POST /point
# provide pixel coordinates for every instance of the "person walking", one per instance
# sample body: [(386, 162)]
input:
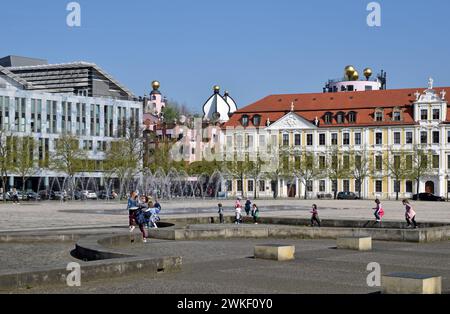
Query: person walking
[(248, 207), (238, 211), (379, 212), (141, 219), (315, 216), (132, 206), (220, 212), (15, 196), (255, 214), (410, 215)]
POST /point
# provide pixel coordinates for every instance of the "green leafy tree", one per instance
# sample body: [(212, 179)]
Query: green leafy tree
[(6, 164), (23, 155), (68, 158), (124, 157)]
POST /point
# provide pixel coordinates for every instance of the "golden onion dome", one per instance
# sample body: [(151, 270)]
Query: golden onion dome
[(156, 85), (349, 71), (368, 72), (355, 76)]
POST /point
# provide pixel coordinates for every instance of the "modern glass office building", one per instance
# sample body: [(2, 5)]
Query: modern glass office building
[(45, 101)]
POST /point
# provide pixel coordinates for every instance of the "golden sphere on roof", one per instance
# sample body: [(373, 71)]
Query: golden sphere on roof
[(368, 72), (355, 76), (156, 85), (216, 88), (349, 71)]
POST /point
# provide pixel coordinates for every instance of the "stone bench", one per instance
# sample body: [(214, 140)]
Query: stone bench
[(355, 243), (409, 283), (275, 252)]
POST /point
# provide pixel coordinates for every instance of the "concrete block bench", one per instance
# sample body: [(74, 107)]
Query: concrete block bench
[(275, 252), (409, 283), (355, 243)]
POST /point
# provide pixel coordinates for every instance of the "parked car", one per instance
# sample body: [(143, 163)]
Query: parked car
[(32, 196), (79, 195), (90, 195), (104, 195), (59, 195), (324, 196), (44, 194), (428, 197), (6, 196), (347, 196)]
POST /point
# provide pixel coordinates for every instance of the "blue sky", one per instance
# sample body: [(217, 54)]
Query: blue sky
[(252, 48)]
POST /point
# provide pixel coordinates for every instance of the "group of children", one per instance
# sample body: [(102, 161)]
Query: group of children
[(250, 209), (142, 212), (410, 214)]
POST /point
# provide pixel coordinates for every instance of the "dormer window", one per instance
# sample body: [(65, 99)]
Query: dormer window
[(328, 118), (397, 114), (352, 117), (256, 120), (379, 115), (244, 120), (340, 117)]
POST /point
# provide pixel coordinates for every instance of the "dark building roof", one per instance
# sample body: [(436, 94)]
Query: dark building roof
[(78, 78), (17, 61)]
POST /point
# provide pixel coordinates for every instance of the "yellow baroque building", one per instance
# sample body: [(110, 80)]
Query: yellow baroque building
[(374, 142)]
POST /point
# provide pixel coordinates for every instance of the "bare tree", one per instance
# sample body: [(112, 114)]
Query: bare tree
[(337, 169), (420, 165), (397, 168), (360, 169), (306, 169)]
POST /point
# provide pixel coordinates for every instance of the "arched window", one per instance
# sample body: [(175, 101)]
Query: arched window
[(244, 120), (352, 117), (340, 117), (256, 120), (328, 118)]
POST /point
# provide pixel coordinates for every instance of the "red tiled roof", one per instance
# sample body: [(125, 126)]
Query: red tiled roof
[(310, 106)]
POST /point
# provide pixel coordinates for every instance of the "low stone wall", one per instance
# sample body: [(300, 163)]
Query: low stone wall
[(90, 272), (298, 228)]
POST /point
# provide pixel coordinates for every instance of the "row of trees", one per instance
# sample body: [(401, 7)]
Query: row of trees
[(334, 165), (131, 154)]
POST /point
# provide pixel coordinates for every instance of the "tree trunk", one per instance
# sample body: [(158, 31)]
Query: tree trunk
[(359, 188), (24, 181), (4, 179)]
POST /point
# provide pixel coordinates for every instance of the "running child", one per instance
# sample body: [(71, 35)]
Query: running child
[(410, 214), (315, 216)]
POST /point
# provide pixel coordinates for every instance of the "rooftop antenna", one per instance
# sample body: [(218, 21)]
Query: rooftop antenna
[(383, 79)]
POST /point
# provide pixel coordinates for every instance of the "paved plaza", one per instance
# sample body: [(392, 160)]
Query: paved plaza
[(217, 265), (227, 267)]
